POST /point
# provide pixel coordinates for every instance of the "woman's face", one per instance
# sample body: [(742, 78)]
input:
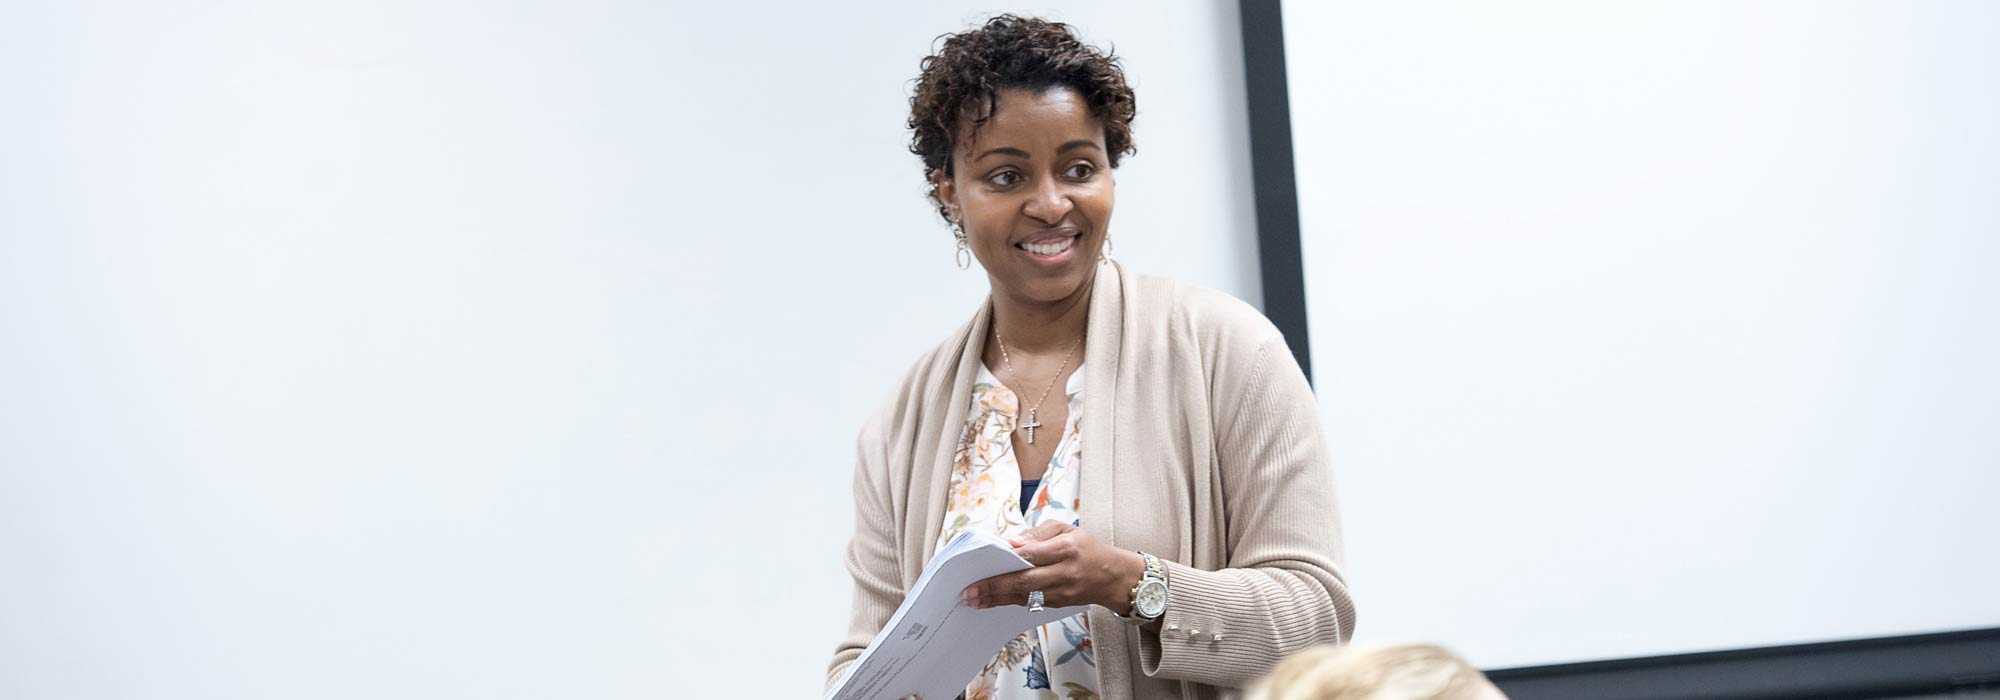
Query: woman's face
[(1033, 190)]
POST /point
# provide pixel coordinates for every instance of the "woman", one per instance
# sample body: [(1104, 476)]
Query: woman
[(1177, 483)]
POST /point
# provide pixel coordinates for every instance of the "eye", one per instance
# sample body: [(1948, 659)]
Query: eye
[(1004, 178), (1080, 171)]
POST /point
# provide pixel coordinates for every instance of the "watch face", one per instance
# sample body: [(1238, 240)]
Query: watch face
[(1152, 600)]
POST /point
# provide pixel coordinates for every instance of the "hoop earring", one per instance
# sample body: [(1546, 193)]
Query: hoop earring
[(964, 253), (1104, 256)]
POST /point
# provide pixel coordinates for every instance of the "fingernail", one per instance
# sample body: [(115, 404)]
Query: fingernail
[(967, 596)]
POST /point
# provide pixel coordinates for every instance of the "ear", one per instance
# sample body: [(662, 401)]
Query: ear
[(947, 191)]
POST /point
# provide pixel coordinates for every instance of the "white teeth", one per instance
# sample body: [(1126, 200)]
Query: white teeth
[(1049, 248)]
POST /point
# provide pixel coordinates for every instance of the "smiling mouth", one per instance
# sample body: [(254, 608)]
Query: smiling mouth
[(1049, 248)]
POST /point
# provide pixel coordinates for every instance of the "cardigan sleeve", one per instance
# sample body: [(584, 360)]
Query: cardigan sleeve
[(1282, 589), (871, 554)]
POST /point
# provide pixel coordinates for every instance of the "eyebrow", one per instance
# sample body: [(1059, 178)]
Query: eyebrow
[(1004, 151), (1018, 153)]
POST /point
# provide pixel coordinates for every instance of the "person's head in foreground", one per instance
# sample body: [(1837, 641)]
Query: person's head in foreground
[(1366, 672)]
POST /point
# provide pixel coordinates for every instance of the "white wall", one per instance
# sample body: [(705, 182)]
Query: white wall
[(1655, 327), (458, 350)]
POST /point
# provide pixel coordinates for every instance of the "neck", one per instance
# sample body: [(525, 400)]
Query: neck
[(1042, 327)]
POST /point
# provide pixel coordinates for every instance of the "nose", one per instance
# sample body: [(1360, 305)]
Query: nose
[(1049, 203)]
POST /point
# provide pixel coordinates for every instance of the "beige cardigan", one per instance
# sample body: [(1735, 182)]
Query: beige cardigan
[(1201, 445)]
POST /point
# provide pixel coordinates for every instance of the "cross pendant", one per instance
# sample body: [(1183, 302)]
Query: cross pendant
[(1031, 425)]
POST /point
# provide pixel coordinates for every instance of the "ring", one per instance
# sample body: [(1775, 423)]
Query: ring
[(1034, 601)]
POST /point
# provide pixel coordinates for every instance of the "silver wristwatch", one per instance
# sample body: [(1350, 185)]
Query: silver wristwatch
[(1149, 598)]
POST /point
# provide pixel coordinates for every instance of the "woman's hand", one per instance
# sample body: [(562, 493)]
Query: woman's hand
[(1070, 568)]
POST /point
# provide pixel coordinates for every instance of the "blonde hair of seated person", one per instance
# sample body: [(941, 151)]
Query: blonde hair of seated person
[(1365, 672)]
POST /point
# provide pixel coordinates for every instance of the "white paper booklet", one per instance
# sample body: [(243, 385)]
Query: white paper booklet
[(934, 644)]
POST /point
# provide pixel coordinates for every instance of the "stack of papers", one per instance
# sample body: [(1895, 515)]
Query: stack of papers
[(934, 644)]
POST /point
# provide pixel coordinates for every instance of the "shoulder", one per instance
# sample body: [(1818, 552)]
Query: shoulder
[(931, 372), (1222, 327)]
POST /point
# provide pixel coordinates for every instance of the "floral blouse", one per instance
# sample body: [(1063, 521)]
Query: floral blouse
[(1055, 660)]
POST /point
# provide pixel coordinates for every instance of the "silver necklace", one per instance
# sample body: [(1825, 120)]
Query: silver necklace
[(1032, 423)]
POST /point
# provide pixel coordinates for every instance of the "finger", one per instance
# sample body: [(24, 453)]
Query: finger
[(1041, 532), (1057, 549), (1012, 589)]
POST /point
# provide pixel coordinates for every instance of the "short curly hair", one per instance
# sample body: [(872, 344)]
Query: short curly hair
[(961, 83)]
